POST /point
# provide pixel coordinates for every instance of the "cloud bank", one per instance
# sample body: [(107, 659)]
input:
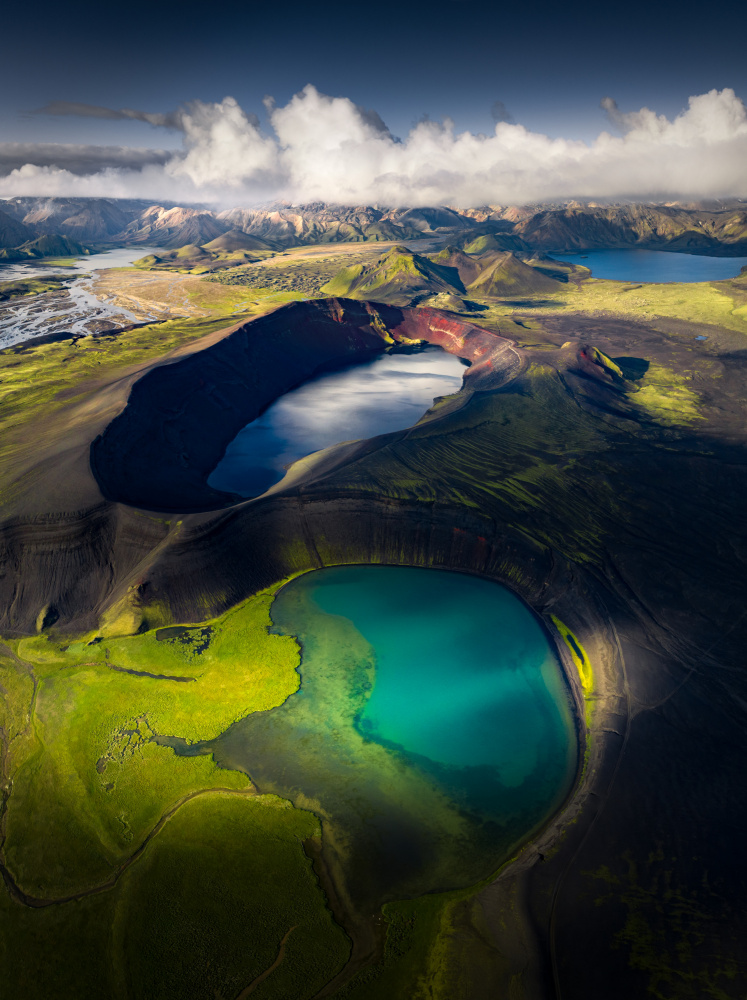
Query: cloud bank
[(329, 149), (78, 159)]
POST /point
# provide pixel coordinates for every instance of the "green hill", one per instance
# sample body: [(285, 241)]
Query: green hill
[(45, 246), (235, 240), (506, 275), (223, 252), (183, 259), (402, 277), (398, 277), (468, 268), (491, 242)]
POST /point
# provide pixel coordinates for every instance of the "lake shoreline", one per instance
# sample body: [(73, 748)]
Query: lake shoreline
[(655, 265)]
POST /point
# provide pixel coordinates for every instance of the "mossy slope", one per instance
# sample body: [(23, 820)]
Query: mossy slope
[(401, 277), (138, 855), (396, 278)]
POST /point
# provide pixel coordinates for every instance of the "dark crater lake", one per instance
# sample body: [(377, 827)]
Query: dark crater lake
[(388, 392), (655, 266), (432, 730)]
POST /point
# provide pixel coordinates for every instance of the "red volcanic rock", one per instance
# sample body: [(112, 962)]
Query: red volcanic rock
[(490, 356)]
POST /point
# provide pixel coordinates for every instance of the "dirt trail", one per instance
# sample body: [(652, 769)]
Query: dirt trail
[(248, 990)]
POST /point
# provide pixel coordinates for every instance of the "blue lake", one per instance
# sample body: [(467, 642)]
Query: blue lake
[(439, 671), (432, 730), (654, 266), (388, 392)]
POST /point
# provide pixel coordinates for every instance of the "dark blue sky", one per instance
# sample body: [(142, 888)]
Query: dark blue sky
[(550, 64)]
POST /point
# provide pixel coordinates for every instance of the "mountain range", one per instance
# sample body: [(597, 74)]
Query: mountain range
[(100, 221)]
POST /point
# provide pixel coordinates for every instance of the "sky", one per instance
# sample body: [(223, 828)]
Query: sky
[(459, 102)]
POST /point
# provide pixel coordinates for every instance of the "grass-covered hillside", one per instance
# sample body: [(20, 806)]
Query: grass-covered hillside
[(31, 286), (402, 277), (102, 827), (229, 250)]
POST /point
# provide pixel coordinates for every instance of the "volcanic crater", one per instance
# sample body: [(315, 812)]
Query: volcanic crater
[(157, 454)]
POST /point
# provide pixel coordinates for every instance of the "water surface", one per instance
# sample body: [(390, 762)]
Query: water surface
[(388, 392), (655, 266), (77, 310), (432, 729), (117, 257)]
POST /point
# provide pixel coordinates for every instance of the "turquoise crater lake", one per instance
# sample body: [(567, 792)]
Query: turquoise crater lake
[(432, 730), (464, 676), (388, 392)]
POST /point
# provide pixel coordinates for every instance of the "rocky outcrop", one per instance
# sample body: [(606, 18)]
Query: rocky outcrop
[(172, 227)]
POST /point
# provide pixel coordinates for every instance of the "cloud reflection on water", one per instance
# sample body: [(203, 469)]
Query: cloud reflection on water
[(387, 394)]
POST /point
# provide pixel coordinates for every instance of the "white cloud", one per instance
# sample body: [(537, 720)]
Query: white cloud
[(329, 149), (223, 147)]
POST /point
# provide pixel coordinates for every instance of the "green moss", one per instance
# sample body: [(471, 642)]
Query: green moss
[(585, 671), (31, 286), (201, 913), (221, 887), (663, 394), (222, 878), (698, 302), (505, 275), (528, 453), (342, 281), (607, 363), (434, 949), (395, 277), (665, 927), (145, 263), (92, 785), (16, 706), (59, 951), (481, 244), (416, 944), (579, 655)]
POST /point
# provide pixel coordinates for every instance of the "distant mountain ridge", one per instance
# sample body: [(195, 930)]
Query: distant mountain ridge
[(85, 219), (645, 226), (711, 229), (44, 246), (13, 232)]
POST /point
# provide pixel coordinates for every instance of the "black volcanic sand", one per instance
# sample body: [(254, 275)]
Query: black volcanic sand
[(594, 508)]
